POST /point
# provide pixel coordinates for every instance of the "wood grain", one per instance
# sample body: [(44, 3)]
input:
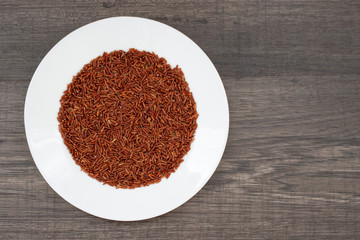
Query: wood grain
[(291, 169)]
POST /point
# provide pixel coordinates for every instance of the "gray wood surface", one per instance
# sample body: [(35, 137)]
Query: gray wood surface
[(291, 168)]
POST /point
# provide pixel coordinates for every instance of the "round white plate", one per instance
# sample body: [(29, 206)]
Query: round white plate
[(54, 160)]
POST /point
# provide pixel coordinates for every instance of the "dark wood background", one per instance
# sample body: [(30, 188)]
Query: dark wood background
[(291, 168)]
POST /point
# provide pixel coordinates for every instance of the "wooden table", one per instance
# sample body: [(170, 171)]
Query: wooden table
[(291, 168)]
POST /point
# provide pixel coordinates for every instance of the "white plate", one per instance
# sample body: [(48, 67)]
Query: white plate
[(52, 157)]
